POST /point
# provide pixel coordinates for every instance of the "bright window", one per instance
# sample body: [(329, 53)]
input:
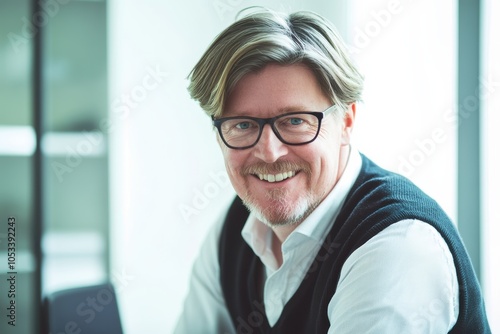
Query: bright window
[(407, 51)]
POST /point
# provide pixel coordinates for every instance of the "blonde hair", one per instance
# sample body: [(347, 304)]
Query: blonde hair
[(264, 37)]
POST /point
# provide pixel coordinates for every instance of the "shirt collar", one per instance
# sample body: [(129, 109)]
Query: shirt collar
[(321, 219), (259, 236)]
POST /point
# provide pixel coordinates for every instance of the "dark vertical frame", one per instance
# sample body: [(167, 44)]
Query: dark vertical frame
[(469, 108), (38, 168)]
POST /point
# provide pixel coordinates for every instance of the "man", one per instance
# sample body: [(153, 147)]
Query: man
[(319, 239)]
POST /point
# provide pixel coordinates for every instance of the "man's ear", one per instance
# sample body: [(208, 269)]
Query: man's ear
[(348, 125)]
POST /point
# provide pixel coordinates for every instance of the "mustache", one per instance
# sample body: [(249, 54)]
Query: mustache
[(275, 168)]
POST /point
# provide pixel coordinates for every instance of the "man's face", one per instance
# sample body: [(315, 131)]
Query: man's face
[(309, 171)]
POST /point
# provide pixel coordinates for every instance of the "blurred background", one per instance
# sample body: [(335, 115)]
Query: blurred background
[(112, 172)]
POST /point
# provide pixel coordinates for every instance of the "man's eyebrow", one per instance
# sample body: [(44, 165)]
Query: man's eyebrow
[(293, 108), (283, 110)]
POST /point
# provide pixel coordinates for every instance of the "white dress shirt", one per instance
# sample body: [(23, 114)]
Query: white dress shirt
[(403, 280)]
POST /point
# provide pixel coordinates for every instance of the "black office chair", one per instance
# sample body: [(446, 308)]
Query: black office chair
[(92, 309)]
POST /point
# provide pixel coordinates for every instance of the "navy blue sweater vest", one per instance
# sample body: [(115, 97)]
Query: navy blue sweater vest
[(378, 199)]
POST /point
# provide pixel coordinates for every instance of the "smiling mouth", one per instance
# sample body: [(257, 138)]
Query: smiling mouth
[(276, 177)]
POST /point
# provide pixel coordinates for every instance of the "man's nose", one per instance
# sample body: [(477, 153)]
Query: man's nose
[(269, 148)]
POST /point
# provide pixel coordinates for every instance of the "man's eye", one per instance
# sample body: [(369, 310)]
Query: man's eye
[(296, 121), (243, 125), (292, 121)]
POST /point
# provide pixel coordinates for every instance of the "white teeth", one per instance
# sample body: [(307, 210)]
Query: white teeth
[(276, 177)]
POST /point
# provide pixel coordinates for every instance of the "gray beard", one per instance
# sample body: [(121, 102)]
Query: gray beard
[(282, 213)]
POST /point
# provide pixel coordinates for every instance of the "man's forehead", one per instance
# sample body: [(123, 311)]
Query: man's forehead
[(274, 90)]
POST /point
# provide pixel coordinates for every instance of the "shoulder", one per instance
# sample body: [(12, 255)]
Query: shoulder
[(407, 241), (404, 276), (380, 198)]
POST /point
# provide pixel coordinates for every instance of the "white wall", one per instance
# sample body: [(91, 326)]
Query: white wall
[(161, 155), (162, 151)]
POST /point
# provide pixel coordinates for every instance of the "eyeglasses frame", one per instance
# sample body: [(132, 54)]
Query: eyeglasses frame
[(263, 121)]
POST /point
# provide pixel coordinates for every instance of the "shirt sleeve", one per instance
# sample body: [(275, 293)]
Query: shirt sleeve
[(204, 307), (403, 280)]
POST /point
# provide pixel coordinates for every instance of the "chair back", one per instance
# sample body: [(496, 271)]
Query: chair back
[(85, 310)]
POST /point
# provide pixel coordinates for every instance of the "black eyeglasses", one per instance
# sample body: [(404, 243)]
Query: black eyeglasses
[(294, 128)]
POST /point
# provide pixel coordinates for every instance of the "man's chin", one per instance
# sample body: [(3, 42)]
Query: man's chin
[(281, 213)]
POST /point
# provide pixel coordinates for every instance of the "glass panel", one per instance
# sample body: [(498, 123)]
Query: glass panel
[(76, 194), (17, 277)]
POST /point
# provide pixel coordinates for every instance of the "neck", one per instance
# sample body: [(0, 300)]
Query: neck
[(282, 232)]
